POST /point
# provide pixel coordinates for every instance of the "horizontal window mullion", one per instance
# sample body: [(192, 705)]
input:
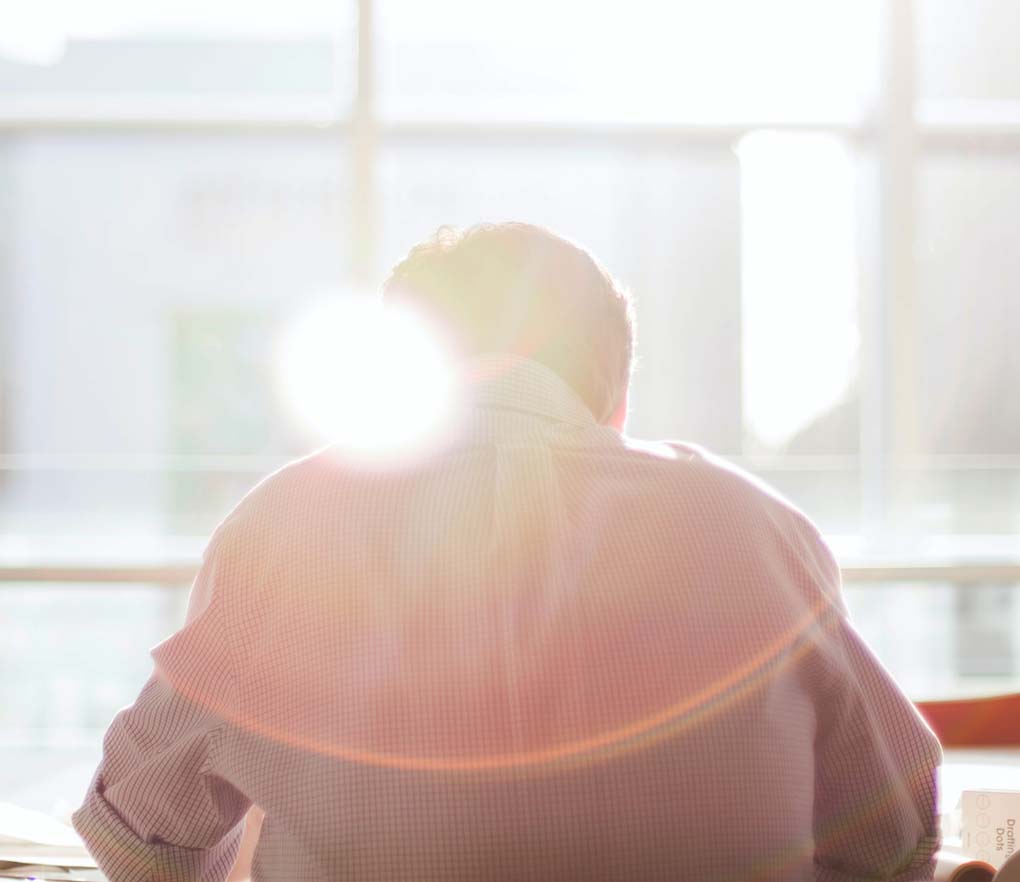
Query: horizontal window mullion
[(182, 573)]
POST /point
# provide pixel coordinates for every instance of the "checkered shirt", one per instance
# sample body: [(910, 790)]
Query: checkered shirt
[(544, 652)]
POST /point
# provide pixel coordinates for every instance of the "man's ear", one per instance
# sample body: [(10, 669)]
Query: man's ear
[(618, 418)]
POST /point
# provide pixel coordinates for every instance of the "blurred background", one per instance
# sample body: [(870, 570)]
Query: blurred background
[(815, 203)]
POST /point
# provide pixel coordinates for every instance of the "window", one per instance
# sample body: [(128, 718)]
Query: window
[(629, 63), (819, 243)]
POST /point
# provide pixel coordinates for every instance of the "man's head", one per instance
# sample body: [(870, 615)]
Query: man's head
[(521, 289)]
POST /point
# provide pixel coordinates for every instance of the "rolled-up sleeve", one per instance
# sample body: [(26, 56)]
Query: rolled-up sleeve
[(156, 808)]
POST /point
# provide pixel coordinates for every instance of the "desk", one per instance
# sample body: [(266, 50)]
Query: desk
[(977, 769)]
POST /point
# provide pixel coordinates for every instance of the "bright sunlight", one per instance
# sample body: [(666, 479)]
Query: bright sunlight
[(374, 381)]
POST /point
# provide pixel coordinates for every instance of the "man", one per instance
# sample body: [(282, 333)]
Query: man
[(546, 651)]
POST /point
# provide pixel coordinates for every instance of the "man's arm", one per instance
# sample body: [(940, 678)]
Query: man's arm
[(876, 810), (156, 809)]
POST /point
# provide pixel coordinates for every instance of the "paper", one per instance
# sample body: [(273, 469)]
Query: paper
[(50, 874), (45, 856), (32, 838), (23, 826)]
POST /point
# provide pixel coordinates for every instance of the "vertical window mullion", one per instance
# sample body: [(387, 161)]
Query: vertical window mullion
[(364, 144), (889, 422)]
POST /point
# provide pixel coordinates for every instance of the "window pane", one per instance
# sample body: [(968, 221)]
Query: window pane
[(142, 291), (800, 294), (644, 60), (800, 323), (968, 478), (967, 50), (72, 656), (208, 56), (942, 641)]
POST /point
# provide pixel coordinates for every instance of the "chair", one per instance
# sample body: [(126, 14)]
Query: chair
[(975, 722)]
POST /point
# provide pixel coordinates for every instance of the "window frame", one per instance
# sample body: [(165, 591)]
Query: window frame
[(897, 135)]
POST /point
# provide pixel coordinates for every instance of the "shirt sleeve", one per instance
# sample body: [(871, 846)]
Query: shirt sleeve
[(876, 761), (156, 810)]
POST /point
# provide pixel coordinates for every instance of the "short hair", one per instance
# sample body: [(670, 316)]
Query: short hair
[(521, 289)]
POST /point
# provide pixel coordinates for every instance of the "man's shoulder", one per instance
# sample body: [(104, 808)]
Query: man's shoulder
[(713, 477), (724, 494), (281, 494)]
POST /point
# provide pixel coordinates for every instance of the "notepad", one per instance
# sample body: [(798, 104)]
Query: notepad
[(988, 828)]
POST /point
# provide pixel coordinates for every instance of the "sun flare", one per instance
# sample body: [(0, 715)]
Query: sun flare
[(375, 381)]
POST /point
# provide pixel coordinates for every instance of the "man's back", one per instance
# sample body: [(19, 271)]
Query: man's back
[(545, 653)]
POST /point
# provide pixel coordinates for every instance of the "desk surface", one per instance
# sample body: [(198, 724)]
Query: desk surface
[(978, 769)]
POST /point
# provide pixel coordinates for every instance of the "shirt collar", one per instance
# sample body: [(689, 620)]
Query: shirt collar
[(521, 385)]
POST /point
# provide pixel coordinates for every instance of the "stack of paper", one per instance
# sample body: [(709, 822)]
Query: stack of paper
[(34, 845)]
